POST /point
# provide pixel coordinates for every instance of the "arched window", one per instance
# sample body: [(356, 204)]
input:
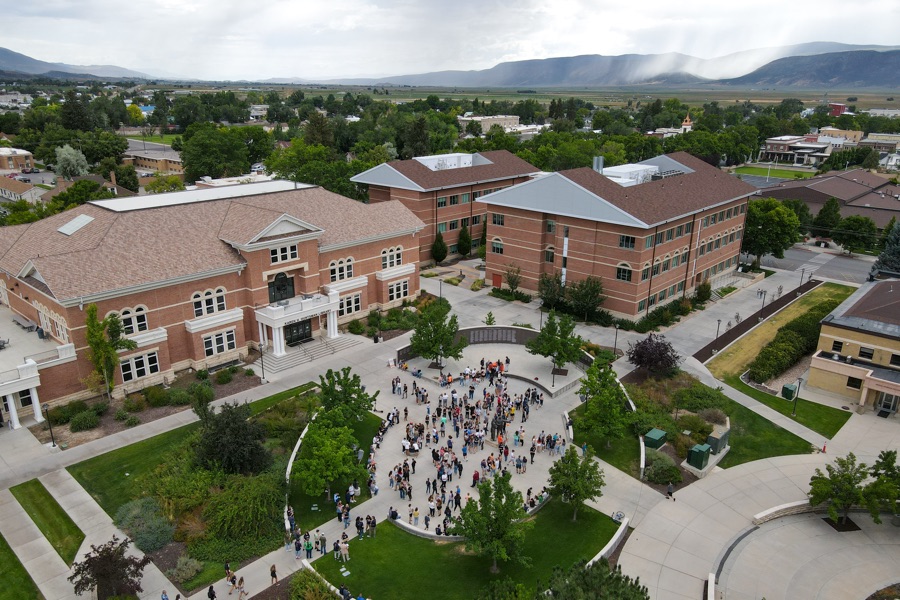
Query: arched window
[(623, 272), (645, 272), (341, 269), (134, 320), (497, 246), (209, 302), (391, 257), (550, 254)]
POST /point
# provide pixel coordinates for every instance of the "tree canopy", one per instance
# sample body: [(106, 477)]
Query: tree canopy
[(889, 259), (109, 570), (104, 339), (557, 341), (841, 487), (827, 219), (230, 440), (770, 228), (655, 354), (604, 409), (435, 336), (585, 296), (343, 391), (856, 233), (214, 152), (575, 478), (595, 582), (329, 454)]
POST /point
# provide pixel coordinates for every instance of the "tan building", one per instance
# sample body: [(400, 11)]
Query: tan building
[(199, 277), (14, 159), (650, 239), (507, 122), (850, 135), (858, 356), (167, 162), (441, 190)]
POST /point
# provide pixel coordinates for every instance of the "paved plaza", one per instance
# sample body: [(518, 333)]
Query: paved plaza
[(674, 545)]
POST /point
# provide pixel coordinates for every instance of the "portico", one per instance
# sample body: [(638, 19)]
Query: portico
[(291, 321), (18, 390)]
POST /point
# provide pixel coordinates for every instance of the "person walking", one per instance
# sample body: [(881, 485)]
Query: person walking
[(241, 591), (164, 596), (233, 582), (273, 573), (345, 551), (670, 492), (211, 593)]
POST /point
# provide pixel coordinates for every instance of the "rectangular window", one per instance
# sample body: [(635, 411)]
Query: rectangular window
[(679, 231), (283, 254), (709, 246), (551, 226), (442, 201), (662, 295), (645, 274), (670, 234), (453, 249), (626, 241), (497, 247), (665, 265), (713, 218), (688, 228), (136, 367), (656, 269), (565, 262), (728, 214), (837, 347), (680, 286), (565, 231), (854, 382), (442, 228), (497, 219), (476, 195), (454, 200), (702, 250), (350, 305), (660, 237), (895, 360), (718, 243), (648, 242), (866, 353), (651, 301), (642, 305), (675, 260), (464, 222), (454, 224), (739, 232), (219, 343), (721, 216), (705, 222), (464, 198), (672, 290), (398, 290), (623, 274), (685, 256), (743, 208), (731, 238), (549, 256), (476, 219)]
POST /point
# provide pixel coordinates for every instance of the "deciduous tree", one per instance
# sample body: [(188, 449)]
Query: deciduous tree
[(655, 354), (435, 336), (604, 409), (551, 290), (557, 341), (109, 570), (584, 297), (575, 478), (105, 338), (596, 581), (771, 228), (231, 441), (842, 487), (214, 152), (343, 391), (513, 276), (328, 456), (70, 163), (856, 233), (164, 183)]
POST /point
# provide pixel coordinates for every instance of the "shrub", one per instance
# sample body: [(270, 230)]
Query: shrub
[(144, 522), (682, 444), (661, 468), (714, 415), (179, 397), (184, 569), (202, 374), (247, 507), (306, 584), (356, 327), (525, 325), (452, 281), (698, 397), (642, 421), (201, 391), (234, 369), (100, 408), (703, 292), (134, 403), (697, 425), (132, 421), (235, 550), (121, 414), (224, 376), (156, 396), (60, 415), (248, 372), (86, 419), (477, 285)]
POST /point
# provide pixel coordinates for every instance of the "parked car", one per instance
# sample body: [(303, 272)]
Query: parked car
[(23, 179), (27, 170), (35, 170)]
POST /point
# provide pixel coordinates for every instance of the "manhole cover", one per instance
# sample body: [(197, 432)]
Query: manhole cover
[(846, 407)]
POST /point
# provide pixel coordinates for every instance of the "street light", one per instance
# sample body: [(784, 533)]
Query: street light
[(46, 408), (262, 362), (764, 292), (718, 325), (802, 273), (616, 342), (797, 395)]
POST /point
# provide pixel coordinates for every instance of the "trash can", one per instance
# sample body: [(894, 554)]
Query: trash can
[(788, 391), (655, 438), (698, 457)]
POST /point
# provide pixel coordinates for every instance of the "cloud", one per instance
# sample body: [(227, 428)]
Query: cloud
[(227, 39)]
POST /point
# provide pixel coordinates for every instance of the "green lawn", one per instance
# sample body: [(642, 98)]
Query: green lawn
[(782, 173), (624, 453), (822, 419), (754, 437), (17, 584), (268, 402), (398, 565), (56, 525), (363, 430), (166, 138)]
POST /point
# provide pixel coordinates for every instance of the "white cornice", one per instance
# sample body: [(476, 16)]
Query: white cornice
[(146, 338), (214, 320), (348, 284), (398, 271), (366, 240)]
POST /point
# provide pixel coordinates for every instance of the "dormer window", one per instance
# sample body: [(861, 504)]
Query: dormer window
[(209, 302), (283, 254)]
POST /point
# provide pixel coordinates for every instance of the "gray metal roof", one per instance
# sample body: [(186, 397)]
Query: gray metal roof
[(387, 176), (666, 163)]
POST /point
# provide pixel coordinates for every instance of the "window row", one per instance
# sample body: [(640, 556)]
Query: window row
[(669, 292), (350, 304), (341, 269), (454, 199), (718, 242), (661, 237), (284, 253), (458, 223), (398, 290), (392, 257), (135, 367), (219, 343), (716, 269), (865, 353), (485, 192), (724, 215), (206, 303)]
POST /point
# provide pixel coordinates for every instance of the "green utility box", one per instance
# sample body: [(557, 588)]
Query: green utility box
[(655, 438), (698, 457), (718, 439), (788, 391)]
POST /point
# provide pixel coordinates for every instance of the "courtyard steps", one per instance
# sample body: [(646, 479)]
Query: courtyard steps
[(314, 350)]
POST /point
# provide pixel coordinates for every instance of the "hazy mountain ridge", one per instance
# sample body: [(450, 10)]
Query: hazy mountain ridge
[(858, 69), (17, 62)]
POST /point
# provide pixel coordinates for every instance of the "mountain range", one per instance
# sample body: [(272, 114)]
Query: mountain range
[(814, 65)]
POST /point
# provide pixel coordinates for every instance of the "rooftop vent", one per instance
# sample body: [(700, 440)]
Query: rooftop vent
[(75, 224)]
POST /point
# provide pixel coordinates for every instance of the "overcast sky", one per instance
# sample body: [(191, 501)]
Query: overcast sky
[(321, 39)]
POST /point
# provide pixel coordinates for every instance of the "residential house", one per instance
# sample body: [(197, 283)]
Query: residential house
[(13, 190)]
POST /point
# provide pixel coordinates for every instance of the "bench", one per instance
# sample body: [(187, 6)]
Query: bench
[(26, 324)]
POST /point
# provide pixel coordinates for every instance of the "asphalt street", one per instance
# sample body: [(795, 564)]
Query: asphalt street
[(803, 260)]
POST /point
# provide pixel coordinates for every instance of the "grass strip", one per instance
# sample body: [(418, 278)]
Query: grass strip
[(56, 525), (17, 583), (753, 437)]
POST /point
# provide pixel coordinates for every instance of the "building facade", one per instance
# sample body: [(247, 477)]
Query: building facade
[(858, 356), (442, 190), (199, 277), (14, 159), (650, 243)]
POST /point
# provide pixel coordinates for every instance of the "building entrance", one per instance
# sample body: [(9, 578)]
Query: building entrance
[(888, 402), (298, 333)]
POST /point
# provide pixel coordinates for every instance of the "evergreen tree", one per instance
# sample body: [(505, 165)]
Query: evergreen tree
[(435, 335), (439, 248), (889, 259), (828, 219), (464, 245), (885, 233), (595, 581)]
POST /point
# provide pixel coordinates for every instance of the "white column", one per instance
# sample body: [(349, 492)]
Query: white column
[(331, 324), (262, 333), (36, 405), (13, 412), (278, 340)]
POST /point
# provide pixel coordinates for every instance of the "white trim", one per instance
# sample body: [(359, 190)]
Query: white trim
[(398, 271), (154, 336), (214, 320), (347, 284), (375, 238)]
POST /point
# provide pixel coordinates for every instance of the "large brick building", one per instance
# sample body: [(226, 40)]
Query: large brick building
[(197, 278), (441, 190), (649, 242)]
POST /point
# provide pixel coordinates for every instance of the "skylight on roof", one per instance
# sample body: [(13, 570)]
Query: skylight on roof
[(75, 224)]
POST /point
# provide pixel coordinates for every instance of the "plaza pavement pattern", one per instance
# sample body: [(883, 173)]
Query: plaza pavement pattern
[(673, 548)]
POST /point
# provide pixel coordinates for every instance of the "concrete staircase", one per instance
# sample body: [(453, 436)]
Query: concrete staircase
[(309, 352)]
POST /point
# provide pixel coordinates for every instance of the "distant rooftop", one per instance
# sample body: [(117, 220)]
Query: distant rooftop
[(874, 307), (457, 160), (198, 195)]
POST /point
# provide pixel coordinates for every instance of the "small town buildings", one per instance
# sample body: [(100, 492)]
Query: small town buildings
[(441, 190), (651, 240), (15, 159), (197, 278), (796, 150), (507, 122), (167, 162), (851, 135), (13, 190), (667, 132), (882, 142), (858, 191), (858, 356)]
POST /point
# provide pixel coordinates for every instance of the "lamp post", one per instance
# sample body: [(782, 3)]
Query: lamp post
[(46, 408), (441, 288), (718, 325), (616, 342), (763, 307), (262, 362), (797, 395), (802, 273)]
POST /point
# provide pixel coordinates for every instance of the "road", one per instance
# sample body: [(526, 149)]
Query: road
[(135, 145), (824, 264)]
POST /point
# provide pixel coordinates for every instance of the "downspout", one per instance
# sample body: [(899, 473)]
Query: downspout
[(652, 262), (693, 252)]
